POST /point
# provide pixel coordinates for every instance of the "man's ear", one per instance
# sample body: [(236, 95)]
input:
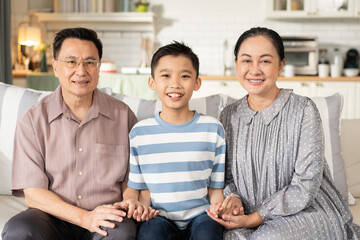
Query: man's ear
[(197, 84), (54, 65), (151, 83)]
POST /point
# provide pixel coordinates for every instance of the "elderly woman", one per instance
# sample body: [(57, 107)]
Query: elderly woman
[(275, 155)]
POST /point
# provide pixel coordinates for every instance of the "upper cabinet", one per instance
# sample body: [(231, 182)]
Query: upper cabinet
[(277, 9)]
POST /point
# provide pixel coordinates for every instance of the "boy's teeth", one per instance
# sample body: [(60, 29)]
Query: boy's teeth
[(174, 95)]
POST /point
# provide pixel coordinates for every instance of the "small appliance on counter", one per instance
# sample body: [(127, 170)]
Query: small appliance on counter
[(302, 52), (351, 65)]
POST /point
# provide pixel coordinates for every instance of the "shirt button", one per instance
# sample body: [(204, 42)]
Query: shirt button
[(80, 173), (79, 197), (80, 149)]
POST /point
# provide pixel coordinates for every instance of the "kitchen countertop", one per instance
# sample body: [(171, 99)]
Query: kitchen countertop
[(23, 74), (295, 78)]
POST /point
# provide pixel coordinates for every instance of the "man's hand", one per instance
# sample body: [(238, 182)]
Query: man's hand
[(99, 217)]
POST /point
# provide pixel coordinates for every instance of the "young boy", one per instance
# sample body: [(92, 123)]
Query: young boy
[(178, 154)]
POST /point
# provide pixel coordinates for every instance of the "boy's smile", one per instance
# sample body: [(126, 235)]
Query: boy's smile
[(175, 79)]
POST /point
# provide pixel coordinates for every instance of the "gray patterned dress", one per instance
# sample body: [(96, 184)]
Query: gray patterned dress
[(275, 164)]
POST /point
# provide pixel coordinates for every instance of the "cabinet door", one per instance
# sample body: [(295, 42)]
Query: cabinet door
[(331, 8), (286, 8), (231, 88), (357, 100), (346, 89), (298, 87), (311, 8)]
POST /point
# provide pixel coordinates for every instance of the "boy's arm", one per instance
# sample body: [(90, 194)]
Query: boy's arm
[(216, 195)]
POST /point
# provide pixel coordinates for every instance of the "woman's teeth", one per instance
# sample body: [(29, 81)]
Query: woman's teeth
[(256, 81)]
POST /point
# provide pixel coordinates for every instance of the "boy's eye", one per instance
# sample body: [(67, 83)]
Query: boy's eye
[(185, 76), (165, 75)]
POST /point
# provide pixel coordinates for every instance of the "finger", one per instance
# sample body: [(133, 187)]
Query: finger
[(107, 224), (140, 210), (218, 220), (145, 215), (226, 203), (156, 213), (131, 209), (100, 231), (151, 214)]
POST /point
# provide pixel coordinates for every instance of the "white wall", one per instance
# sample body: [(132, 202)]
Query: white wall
[(206, 24)]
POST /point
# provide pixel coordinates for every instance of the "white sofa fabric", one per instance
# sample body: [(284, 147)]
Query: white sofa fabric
[(14, 101)]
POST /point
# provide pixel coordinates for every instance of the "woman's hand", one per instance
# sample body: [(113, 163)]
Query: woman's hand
[(239, 221), (231, 206)]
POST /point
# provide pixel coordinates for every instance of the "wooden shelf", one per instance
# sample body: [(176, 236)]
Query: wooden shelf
[(110, 21)]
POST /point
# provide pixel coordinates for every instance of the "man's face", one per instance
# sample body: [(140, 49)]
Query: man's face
[(79, 81)]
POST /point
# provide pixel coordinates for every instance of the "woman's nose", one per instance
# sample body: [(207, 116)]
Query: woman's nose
[(254, 68)]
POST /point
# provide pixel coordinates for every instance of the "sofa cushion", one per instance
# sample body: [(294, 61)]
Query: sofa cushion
[(330, 111), (14, 101), (350, 142)]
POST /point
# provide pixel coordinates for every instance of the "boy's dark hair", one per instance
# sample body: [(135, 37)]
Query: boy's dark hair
[(79, 33), (175, 49), (261, 31)]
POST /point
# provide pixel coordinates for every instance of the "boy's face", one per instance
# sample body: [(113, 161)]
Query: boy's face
[(174, 80)]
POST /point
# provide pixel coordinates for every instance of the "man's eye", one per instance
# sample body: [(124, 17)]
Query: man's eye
[(71, 61), (90, 63)]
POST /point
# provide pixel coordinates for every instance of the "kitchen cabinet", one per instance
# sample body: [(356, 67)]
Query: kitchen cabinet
[(322, 89), (350, 90), (231, 88), (277, 9)]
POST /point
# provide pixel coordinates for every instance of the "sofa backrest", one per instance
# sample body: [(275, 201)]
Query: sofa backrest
[(14, 101)]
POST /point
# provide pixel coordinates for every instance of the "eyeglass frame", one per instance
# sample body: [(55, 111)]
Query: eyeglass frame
[(80, 61)]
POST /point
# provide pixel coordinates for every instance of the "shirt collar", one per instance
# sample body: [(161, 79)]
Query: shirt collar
[(99, 105), (267, 114)]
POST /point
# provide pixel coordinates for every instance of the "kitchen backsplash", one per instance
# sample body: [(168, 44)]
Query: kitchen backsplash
[(206, 25)]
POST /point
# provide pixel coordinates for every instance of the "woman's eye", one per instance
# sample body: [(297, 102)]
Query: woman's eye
[(245, 61)]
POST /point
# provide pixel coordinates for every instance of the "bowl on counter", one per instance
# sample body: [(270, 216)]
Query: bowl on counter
[(351, 72)]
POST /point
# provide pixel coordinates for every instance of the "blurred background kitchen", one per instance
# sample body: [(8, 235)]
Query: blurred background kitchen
[(322, 38)]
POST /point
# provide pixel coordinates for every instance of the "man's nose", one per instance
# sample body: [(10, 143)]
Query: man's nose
[(81, 69)]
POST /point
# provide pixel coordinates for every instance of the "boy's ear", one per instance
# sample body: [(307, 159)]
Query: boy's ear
[(197, 84), (151, 83)]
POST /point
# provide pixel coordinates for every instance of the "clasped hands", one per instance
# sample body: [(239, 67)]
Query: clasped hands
[(102, 215), (230, 214)]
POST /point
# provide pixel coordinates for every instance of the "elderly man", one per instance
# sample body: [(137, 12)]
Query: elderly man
[(71, 152)]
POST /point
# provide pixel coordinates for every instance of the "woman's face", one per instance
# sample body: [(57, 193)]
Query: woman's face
[(258, 66)]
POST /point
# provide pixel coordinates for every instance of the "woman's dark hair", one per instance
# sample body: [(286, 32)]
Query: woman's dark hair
[(79, 33), (175, 49), (261, 31)]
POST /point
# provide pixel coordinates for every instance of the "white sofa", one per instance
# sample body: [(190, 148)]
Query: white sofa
[(14, 101)]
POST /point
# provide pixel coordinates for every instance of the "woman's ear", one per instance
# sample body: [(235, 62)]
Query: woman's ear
[(282, 64), (151, 83)]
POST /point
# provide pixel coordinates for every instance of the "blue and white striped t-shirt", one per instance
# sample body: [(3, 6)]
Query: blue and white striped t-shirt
[(178, 163)]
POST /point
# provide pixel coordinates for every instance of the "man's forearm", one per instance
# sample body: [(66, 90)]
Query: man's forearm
[(51, 203)]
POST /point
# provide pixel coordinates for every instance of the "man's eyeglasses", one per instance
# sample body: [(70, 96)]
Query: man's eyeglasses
[(74, 63)]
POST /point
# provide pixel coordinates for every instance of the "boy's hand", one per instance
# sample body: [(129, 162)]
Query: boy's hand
[(214, 209), (231, 206), (136, 210)]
